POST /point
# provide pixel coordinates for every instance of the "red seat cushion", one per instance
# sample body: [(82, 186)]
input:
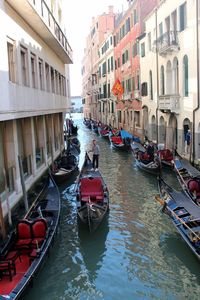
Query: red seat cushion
[(24, 230), (193, 186), (39, 228), (91, 187), (23, 242), (117, 140)]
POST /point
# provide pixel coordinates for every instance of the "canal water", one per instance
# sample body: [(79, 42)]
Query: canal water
[(135, 254)]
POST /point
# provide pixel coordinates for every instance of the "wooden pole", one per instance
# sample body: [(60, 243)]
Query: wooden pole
[(23, 183), (2, 223), (5, 167)]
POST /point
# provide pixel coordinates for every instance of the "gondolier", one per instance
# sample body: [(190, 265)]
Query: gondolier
[(96, 153)]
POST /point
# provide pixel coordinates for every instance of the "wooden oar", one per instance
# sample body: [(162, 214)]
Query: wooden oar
[(162, 202)]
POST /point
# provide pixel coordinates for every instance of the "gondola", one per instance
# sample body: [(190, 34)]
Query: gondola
[(64, 167), (29, 244), (75, 143), (188, 177), (142, 159), (92, 196), (184, 214), (118, 143), (74, 129), (103, 132)]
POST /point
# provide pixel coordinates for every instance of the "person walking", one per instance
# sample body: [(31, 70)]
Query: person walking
[(96, 153), (187, 141)]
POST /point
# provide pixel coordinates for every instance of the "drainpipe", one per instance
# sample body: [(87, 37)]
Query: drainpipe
[(198, 94), (157, 77)]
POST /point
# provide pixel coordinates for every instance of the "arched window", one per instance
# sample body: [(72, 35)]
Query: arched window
[(150, 85), (169, 78), (175, 76), (185, 77), (162, 81)]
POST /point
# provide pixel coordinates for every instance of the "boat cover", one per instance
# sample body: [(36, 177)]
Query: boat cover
[(125, 134)]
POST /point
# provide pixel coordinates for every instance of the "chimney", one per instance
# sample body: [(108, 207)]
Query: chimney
[(110, 9)]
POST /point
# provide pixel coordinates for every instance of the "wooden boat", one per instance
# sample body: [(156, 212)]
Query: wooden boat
[(87, 123), (74, 129), (184, 214), (75, 143), (29, 245), (188, 177), (104, 132), (64, 167), (142, 159), (92, 196)]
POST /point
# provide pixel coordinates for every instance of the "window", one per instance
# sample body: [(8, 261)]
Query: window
[(11, 62), (135, 17), (185, 74), (33, 71), (133, 83), (104, 69), (183, 17), (135, 49), (142, 49), (128, 25), (137, 118), (162, 81), (144, 89), (41, 74), (138, 82), (24, 65), (52, 81), (149, 41), (47, 74), (160, 29), (109, 65), (111, 62), (57, 83), (123, 59), (126, 55), (118, 62), (111, 41), (108, 90), (150, 85), (119, 116)]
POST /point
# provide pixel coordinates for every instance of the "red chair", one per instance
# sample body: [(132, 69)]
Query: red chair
[(39, 231), (24, 234), (7, 267)]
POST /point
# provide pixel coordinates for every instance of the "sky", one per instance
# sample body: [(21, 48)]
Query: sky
[(78, 19)]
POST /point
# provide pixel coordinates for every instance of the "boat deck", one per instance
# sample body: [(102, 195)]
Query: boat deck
[(6, 286), (184, 164)]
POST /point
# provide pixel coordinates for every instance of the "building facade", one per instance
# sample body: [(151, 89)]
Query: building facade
[(34, 92), (101, 25), (169, 75)]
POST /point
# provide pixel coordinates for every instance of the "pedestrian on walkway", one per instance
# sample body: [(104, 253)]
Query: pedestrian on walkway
[(96, 153), (187, 141)]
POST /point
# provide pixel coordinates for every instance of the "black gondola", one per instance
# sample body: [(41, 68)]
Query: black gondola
[(64, 166), (184, 214), (29, 245), (75, 143), (143, 161), (188, 177), (92, 196)]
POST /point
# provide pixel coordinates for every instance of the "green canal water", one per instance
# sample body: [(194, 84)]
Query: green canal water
[(135, 254)]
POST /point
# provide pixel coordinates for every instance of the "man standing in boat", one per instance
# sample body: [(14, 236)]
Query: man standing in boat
[(96, 153)]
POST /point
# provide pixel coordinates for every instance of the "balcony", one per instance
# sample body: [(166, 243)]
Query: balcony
[(38, 15), (169, 103), (167, 43)]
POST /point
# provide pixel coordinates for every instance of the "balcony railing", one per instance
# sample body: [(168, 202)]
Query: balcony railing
[(167, 43), (169, 103), (39, 16)]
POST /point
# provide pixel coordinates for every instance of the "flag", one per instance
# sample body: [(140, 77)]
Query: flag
[(117, 88)]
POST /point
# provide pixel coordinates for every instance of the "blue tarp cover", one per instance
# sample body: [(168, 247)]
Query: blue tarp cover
[(125, 134)]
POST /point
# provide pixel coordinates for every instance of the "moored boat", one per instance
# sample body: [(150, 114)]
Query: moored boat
[(188, 177), (64, 167), (166, 156), (143, 160), (184, 214), (29, 245), (92, 196)]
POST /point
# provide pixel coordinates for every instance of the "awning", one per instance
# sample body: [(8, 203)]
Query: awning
[(125, 134)]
